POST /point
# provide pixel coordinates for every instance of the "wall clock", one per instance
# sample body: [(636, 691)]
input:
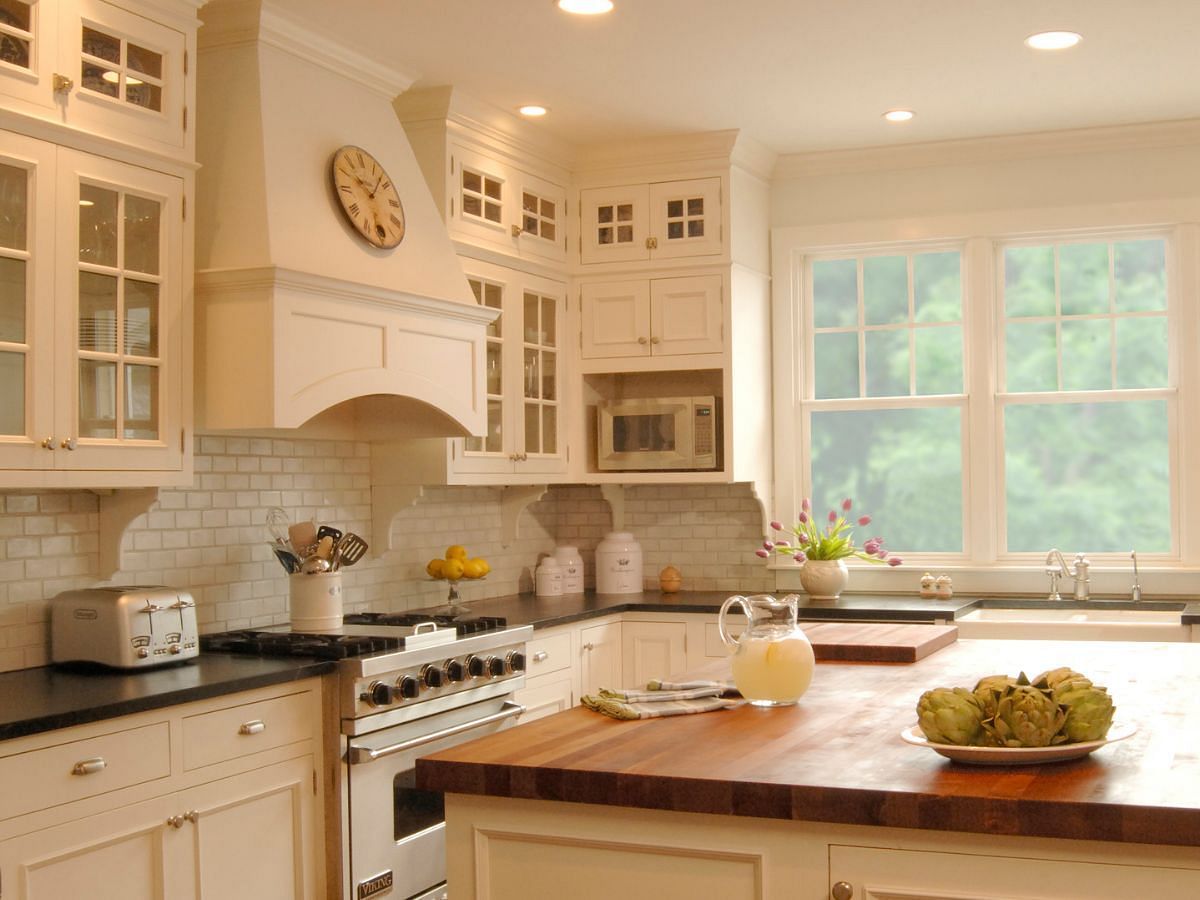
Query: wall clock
[(368, 197)]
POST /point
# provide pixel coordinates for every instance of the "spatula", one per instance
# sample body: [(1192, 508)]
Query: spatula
[(349, 550)]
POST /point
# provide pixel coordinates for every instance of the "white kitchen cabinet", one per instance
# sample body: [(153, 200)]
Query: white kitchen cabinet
[(117, 72), (600, 657), (116, 809), (551, 676), (661, 220), (884, 873), (644, 318), (652, 650), (92, 331)]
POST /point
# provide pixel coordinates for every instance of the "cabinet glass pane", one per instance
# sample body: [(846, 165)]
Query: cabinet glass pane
[(101, 46), (549, 323), (494, 441), (97, 225), (148, 96), (145, 61), (533, 331), (548, 369), (141, 318), (624, 234), (12, 393), (142, 234), (495, 368), (101, 80), (549, 429), (97, 399), (532, 373), (14, 207), (97, 312), (533, 425), (141, 402), (12, 300)]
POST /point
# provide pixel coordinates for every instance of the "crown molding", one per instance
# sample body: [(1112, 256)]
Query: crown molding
[(1175, 133), (233, 23), (716, 147)]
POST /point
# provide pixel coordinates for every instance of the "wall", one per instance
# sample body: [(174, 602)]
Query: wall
[(210, 539)]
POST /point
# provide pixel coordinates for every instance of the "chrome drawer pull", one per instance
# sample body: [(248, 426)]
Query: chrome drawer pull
[(89, 766), (541, 656), (256, 726), (360, 755)]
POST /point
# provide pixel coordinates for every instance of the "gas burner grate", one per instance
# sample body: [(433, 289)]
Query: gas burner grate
[(473, 625), (291, 643)]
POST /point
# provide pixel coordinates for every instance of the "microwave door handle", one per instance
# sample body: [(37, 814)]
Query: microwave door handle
[(359, 755)]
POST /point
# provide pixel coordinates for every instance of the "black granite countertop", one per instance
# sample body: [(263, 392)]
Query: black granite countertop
[(49, 697)]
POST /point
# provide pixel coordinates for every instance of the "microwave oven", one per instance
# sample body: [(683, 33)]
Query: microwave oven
[(655, 435)]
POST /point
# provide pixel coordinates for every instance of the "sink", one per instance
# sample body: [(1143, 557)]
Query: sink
[(1070, 622)]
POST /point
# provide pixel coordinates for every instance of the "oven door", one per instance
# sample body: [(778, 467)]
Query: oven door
[(397, 833)]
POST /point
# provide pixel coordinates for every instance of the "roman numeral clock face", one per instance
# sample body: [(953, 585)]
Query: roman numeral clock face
[(368, 197)]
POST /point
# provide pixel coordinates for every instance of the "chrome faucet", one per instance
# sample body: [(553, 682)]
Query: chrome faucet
[(1056, 567), (1136, 593)]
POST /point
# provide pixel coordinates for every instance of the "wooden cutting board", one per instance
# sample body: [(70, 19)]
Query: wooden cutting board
[(877, 642)]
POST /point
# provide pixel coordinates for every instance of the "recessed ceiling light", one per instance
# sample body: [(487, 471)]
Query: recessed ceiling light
[(585, 7), (899, 115), (532, 111), (1053, 40)]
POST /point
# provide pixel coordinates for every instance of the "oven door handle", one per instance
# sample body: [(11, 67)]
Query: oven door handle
[(359, 755)]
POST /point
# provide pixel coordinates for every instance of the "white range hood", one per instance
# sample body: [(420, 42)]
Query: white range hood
[(297, 318)]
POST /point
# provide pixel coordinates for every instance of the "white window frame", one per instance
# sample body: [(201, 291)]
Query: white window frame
[(984, 566)]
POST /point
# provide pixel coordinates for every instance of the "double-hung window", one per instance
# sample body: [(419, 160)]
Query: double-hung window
[(986, 399)]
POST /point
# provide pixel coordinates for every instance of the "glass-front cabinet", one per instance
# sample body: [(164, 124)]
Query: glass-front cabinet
[(524, 376), (97, 67), (662, 220), (90, 341)]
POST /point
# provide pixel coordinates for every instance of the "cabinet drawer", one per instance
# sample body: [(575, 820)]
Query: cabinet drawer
[(51, 776), (545, 696), (547, 654), (250, 728)]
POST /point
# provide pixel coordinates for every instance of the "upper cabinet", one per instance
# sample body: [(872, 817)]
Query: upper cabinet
[(644, 318), (91, 331), (100, 69), (660, 220)]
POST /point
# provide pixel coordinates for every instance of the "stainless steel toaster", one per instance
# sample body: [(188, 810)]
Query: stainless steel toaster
[(125, 627)]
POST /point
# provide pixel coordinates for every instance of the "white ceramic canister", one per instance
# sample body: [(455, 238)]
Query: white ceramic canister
[(315, 601), (619, 564), (548, 579), (571, 564)]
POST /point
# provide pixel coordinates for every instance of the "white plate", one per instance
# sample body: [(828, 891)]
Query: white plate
[(1017, 756)]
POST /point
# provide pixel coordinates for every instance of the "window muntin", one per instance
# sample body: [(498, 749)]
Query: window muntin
[(16, 33), (482, 196), (116, 67), (491, 294), (539, 216)]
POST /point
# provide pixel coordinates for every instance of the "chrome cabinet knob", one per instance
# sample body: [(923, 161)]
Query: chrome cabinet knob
[(69, 444), (642, 340), (175, 821), (843, 890), (656, 340), (48, 443), (61, 83), (192, 816)]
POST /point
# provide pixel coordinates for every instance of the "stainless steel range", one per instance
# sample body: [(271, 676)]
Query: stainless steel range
[(408, 686)]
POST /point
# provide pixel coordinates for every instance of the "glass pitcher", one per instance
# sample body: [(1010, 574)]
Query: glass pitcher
[(772, 659)]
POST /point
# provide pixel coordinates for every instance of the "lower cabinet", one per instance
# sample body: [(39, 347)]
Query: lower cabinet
[(600, 657), (652, 650), (246, 826), (550, 676)]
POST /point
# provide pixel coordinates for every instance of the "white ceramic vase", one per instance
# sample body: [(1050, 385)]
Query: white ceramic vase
[(824, 579)]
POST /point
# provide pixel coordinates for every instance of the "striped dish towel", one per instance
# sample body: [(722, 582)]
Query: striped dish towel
[(663, 698)]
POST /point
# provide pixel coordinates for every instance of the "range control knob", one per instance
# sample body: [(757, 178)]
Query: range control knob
[(379, 694), (455, 670), (433, 676), (476, 666), (514, 661), (175, 649), (408, 686), (495, 666)]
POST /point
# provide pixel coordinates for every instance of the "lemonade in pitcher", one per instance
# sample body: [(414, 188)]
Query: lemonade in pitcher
[(773, 659)]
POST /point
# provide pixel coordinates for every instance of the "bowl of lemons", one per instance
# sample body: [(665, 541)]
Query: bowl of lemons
[(457, 565)]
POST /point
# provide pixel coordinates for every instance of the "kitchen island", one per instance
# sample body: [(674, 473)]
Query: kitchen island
[(797, 801)]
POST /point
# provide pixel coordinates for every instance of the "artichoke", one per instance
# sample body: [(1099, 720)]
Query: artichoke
[(1089, 711), (989, 690), (1027, 716), (951, 716), (1052, 679)]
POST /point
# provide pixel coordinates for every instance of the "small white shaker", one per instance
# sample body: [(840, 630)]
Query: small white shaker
[(571, 564), (548, 579)]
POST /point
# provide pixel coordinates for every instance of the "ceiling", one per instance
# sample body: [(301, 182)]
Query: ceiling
[(797, 75)]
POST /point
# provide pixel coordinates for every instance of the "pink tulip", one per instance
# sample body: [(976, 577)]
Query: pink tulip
[(846, 504), (803, 539), (768, 545), (763, 553), (799, 556), (803, 518), (864, 520), (781, 543), (871, 547), (882, 554), (777, 526), (833, 516), (804, 505), (894, 561)]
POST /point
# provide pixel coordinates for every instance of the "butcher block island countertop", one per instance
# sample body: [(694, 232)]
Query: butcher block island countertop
[(837, 756)]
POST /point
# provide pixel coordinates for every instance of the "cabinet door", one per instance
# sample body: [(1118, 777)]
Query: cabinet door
[(615, 319), (26, 302), (480, 190), (128, 73), (118, 316), (884, 874), (541, 218), (493, 453), (540, 448), (614, 223), (126, 854), (685, 218), (686, 315), (600, 652), (255, 834), (28, 52), (652, 650)]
